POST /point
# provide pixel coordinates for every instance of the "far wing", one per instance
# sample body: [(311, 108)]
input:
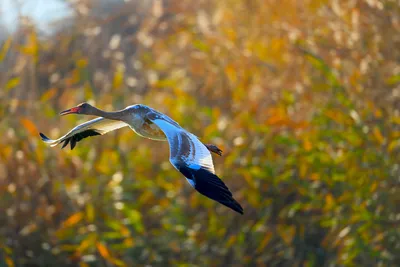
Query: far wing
[(192, 158), (98, 126), (184, 146)]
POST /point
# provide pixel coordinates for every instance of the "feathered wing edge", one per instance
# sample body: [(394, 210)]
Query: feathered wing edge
[(98, 126)]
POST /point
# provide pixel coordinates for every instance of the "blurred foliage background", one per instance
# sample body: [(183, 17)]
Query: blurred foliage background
[(302, 96)]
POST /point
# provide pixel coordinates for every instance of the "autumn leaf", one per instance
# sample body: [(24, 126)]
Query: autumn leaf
[(103, 250), (264, 241), (90, 212), (9, 261), (118, 78), (12, 83), (49, 94), (73, 219), (4, 49), (29, 126), (307, 144), (378, 135)]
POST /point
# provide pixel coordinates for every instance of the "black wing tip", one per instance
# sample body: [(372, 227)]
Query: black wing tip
[(211, 186), (236, 207), (44, 137), (232, 204)]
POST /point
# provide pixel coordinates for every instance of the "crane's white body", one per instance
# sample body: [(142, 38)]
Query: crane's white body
[(187, 153)]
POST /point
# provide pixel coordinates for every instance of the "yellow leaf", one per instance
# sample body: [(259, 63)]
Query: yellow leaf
[(231, 241), (393, 145), (12, 83), (103, 250), (396, 120), (83, 264), (90, 212), (286, 233), (5, 48), (128, 242), (49, 94), (73, 219), (88, 91), (118, 262), (6, 249), (81, 63), (86, 243), (264, 242), (303, 170), (378, 113), (31, 48), (6, 151), (118, 78), (29, 126), (374, 186), (378, 135)]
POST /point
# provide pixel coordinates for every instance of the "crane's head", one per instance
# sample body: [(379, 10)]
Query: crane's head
[(83, 108)]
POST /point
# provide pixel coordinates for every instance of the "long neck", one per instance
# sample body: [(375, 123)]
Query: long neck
[(115, 115)]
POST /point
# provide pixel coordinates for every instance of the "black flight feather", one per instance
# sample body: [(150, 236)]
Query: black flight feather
[(73, 139), (210, 185), (79, 136)]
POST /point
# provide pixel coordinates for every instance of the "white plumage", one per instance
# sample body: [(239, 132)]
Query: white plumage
[(187, 153)]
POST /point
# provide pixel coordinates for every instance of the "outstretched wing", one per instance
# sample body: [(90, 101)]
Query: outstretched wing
[(192, 158), (98, 126)]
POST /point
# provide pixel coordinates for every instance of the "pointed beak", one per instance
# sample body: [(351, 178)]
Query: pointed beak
[(70, 111)]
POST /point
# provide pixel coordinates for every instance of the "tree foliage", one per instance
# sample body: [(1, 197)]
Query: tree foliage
[(302, 97)]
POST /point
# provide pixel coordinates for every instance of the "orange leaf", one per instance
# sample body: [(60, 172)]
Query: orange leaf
[(378, 135), (231, 73), (9, 262), (103, 250), (314, 176), (307, 145), (73, 219), (329, 201), (29, 126)]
